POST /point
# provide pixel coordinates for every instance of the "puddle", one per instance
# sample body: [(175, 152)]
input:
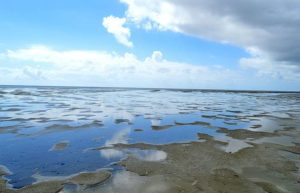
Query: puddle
[(149, 155), (235, 145)]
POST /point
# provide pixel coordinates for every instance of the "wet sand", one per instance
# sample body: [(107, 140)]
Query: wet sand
[(170, 146), (60, 146), (56, 184), (194, 167), (203, 167)]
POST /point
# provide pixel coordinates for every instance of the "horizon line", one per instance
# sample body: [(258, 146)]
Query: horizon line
[(161, 88)]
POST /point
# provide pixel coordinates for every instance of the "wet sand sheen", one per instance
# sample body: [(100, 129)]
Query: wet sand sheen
[(152, 142), (60, 146), (56, 184), (190, 167)]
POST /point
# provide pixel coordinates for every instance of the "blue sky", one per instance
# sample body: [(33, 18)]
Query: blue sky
[(177, 50)]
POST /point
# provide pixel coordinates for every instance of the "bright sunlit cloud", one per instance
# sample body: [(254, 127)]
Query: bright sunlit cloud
[(115, 26), (99, 67), (269, 27), (213, 44), (43, 65)]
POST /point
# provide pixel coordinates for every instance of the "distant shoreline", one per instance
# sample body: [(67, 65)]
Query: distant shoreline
[(154, 89)]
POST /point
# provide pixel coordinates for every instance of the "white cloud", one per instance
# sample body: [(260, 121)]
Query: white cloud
[(41, 65), (115, 26), (270, 27), (267, 67)]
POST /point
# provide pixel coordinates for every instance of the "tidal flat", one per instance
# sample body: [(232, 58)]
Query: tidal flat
[(118, 140)]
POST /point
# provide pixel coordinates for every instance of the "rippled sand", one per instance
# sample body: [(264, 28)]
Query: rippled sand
[(137, 140)]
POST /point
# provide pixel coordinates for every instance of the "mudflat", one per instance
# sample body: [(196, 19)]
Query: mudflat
[(135, 140)]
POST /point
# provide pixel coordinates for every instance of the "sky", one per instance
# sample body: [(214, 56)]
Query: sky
[(216, 44)]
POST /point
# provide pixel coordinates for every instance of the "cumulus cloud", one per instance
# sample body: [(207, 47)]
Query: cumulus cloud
[(267, 67), (269, 27), (115, 26), (92, 67), (41, 65)]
